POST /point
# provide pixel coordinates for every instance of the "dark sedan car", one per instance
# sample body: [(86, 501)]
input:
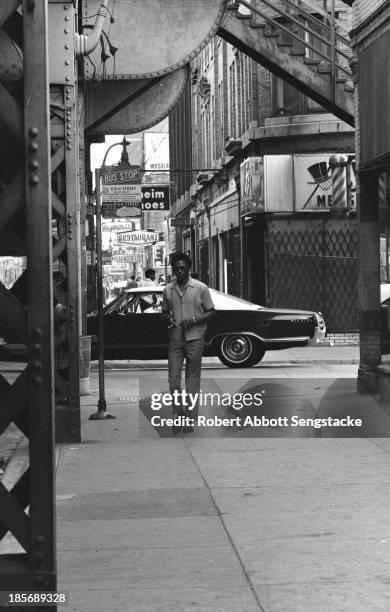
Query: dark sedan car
[(239, 333)]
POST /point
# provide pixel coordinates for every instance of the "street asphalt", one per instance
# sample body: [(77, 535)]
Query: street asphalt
[(230, 519)]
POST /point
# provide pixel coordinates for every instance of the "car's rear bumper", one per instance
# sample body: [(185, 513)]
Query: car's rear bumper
[(320, 330)]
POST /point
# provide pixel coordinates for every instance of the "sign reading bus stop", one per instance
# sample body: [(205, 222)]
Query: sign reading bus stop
[(121, 191)]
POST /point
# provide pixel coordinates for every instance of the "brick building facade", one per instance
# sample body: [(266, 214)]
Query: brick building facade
[(238, 109)]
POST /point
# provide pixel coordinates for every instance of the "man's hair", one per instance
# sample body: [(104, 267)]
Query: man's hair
[(132, 277), (149, 272), (180, 257)]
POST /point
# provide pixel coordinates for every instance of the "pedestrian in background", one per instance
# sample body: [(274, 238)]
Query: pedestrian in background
[(187, 304), (150, 278), (132, 283), (148, 300)]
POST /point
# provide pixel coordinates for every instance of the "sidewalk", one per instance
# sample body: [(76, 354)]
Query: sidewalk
[(221, 524), (225, 523), (336, 355)]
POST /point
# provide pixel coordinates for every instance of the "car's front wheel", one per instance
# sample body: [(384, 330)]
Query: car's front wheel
[(240, 351)]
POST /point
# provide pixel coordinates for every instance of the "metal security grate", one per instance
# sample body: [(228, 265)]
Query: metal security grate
[(313, 265)]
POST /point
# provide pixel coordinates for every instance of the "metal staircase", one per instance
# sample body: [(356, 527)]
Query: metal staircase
[(299, 42)]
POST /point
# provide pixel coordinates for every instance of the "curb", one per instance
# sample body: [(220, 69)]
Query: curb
[(128, 366)]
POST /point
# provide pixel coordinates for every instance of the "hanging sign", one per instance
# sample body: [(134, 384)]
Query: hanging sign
[(137, 237), (155, 197), (121, 191)]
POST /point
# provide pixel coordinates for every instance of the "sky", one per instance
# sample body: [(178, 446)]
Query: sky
[(134, 150)]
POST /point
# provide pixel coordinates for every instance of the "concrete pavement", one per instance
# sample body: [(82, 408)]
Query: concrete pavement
[(222, 523), (226, 522)]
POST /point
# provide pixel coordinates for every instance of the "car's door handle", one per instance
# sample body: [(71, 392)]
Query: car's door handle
[(265, 323)]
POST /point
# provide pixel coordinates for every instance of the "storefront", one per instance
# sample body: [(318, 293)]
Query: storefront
[(218, 242)]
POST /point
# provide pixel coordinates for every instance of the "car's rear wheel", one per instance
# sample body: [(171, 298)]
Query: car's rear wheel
[(240, 351)]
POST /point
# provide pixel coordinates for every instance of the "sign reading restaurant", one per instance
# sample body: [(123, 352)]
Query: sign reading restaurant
[(121, 191), (137, 237)]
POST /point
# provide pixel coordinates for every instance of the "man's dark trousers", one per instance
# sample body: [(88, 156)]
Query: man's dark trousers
[(192, 351)]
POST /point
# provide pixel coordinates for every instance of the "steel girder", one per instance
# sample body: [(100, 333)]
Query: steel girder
[(66, 211), (65, 195), (27, 506)]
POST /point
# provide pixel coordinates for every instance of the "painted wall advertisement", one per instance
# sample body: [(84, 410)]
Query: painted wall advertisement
[(287, 183)]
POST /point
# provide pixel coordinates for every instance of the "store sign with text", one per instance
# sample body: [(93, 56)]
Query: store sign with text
[(137, 237), (155, 197), (121, 191)]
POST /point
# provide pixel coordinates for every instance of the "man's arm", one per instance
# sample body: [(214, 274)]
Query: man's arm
[(198, 319), (165, 307)]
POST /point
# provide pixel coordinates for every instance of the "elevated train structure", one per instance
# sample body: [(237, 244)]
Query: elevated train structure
[(69, 73)]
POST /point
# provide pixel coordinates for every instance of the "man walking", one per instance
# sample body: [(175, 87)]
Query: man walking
[(188, 305)]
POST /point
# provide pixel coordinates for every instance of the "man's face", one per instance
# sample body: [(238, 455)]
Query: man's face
[(180, 269)]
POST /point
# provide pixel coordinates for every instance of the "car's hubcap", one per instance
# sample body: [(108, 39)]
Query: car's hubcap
[(236, 348)]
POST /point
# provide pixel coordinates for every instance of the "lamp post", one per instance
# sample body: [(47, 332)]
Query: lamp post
[(102, 404)]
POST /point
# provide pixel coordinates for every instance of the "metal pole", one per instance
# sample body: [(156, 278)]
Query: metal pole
[(102, 406), (242, 246), (210, 249), (333, 51)]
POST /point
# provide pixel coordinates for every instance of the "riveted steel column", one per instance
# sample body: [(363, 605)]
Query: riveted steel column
[(66, 206), (26, 311), (40, 388), (72, 258)]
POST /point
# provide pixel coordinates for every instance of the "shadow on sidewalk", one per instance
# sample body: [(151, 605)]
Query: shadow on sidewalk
[(302, 408)]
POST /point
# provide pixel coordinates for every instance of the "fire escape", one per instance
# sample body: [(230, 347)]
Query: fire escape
[(299, 42)]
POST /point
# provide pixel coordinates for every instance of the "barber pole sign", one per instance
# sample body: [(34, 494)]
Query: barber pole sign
[(338, 165)]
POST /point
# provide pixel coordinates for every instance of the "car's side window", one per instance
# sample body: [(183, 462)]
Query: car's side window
[(122, 306), (149, 303), (133, 305)]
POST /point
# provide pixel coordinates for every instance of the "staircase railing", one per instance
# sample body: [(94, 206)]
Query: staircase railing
[(320, 41)]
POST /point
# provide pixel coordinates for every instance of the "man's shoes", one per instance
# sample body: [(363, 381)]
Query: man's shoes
[(188, 429)]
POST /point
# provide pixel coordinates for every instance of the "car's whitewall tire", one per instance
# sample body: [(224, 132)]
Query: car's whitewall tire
[(240, 351)]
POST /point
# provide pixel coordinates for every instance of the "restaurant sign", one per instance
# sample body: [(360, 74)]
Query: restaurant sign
[(137, 237)]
